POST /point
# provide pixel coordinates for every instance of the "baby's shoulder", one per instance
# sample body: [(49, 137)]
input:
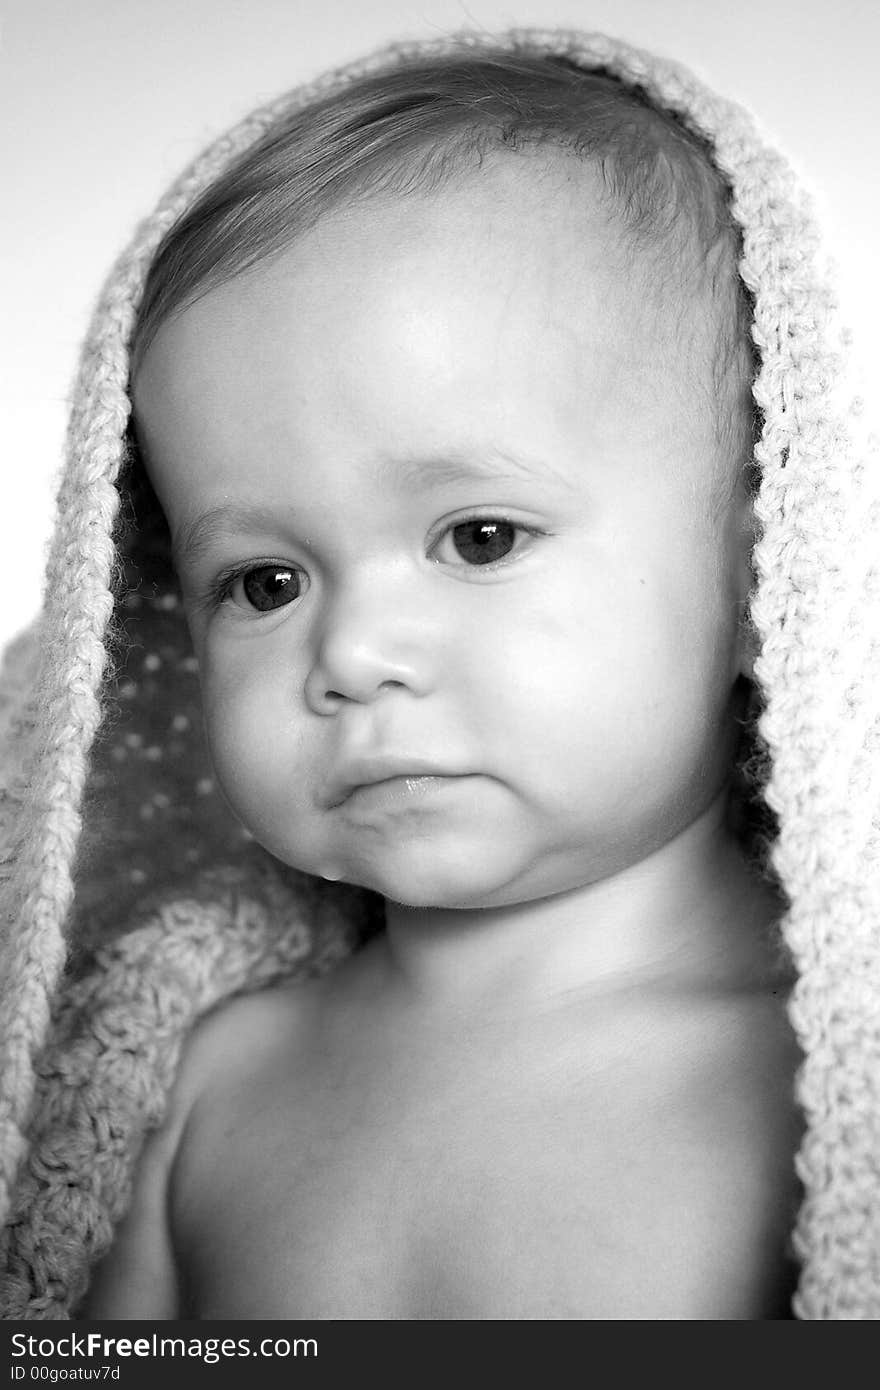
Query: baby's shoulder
[(231, 1046), (243, 1034), (245, 1053), (247, 1033)]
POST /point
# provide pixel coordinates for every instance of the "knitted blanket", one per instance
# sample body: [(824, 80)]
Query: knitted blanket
[(131, 902)]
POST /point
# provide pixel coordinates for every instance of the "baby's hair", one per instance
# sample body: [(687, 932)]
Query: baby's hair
[(413, 128)]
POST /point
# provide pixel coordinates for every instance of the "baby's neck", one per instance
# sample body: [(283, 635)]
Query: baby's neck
[(691, 917)]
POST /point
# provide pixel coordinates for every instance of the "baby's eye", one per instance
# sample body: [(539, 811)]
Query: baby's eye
[(263, 587), (481, 540)]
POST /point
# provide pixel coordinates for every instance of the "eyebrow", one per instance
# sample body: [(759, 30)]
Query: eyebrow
[(194, 539)]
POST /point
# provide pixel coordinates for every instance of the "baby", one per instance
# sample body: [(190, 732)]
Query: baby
[(447, 405)]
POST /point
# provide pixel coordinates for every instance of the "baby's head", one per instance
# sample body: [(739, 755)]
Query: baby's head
[(444, 391)]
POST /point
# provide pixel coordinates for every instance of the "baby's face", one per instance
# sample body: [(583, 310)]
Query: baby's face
[(460, 487)]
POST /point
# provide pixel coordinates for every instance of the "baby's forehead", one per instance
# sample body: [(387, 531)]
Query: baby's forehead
[(412, 307), (525, 232), (471, 305), (422, 131)]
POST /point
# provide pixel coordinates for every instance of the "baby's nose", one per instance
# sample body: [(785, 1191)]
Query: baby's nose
[(367, 646)]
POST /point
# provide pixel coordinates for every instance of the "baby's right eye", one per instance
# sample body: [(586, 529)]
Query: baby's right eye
[(263, 587)]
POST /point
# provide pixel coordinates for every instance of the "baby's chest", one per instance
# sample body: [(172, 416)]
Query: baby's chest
[(517, 1216), (455, 1243)]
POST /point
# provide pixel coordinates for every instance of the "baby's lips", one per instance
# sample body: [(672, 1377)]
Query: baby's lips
[(366, 769)]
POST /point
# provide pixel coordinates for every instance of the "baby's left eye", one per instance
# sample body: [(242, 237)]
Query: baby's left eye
[(482, 540)]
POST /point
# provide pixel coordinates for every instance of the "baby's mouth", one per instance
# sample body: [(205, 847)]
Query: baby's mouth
[(398, 774), (402, 793)]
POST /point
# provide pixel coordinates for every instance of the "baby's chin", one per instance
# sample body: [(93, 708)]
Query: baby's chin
[(445, 877), (439, 877)]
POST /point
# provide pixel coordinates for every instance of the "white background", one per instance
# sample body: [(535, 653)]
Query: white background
[(102, 102)]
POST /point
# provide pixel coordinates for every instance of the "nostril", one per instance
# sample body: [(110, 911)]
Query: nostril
[(338, 697)]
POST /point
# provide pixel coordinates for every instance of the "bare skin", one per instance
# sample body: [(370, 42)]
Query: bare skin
[(559, 1086), (355, 1148)]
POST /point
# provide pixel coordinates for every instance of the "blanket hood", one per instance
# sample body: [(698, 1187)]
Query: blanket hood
[(109, 812)]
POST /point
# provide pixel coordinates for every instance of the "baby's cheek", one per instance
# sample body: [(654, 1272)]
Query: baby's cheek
[(243, 736), (614, 685)]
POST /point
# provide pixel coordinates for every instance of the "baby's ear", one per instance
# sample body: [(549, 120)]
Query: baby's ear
[(748, 645), (748, 641)]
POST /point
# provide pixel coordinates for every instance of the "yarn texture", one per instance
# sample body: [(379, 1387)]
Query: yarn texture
[(131, 902)]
